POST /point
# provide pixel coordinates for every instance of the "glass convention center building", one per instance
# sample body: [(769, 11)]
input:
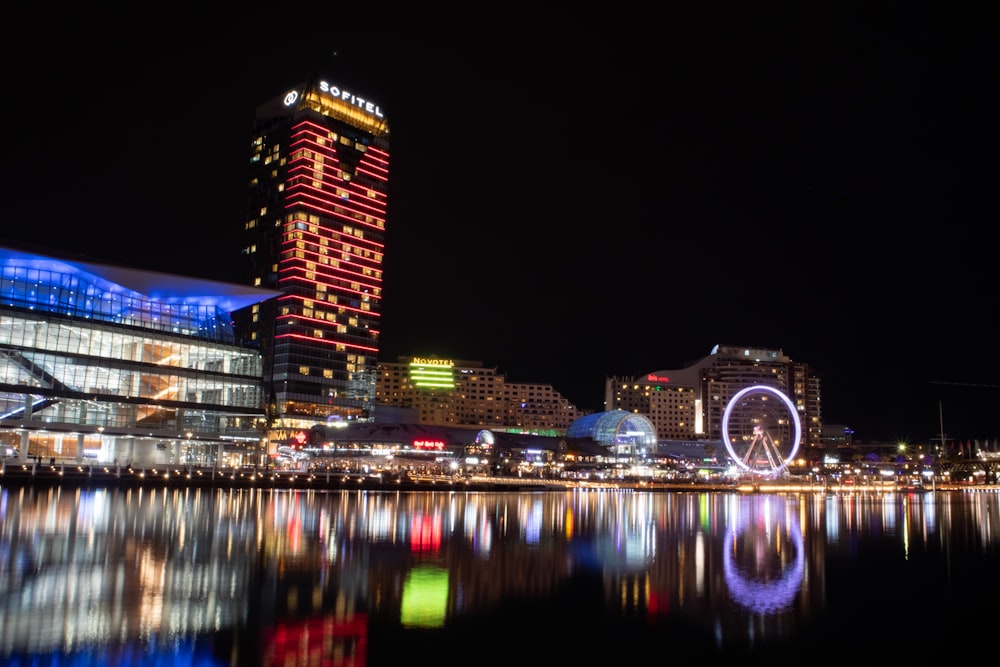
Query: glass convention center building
[(103, 363)]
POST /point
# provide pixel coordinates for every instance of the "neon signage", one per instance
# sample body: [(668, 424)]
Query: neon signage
[(431, 362), (653, 377), (361, 103), (432, 373), (352, 99), (436, 445)]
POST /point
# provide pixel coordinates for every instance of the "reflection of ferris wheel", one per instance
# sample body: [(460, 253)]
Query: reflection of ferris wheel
[(761, 429), (765, 582)]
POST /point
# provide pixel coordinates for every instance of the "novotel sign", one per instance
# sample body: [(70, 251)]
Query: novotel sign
[(420, 361), (341, 94)]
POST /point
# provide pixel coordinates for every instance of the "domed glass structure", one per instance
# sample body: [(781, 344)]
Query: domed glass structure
[(620, 431)]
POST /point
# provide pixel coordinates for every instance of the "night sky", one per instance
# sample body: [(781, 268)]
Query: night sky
[(571, 204)]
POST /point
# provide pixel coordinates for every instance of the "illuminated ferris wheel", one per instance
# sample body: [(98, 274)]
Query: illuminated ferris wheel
[(761, 430)]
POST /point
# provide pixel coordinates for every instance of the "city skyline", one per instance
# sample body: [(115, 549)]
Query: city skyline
[(570, 212)]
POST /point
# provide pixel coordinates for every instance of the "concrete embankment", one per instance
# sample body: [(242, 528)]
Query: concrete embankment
[(97, 476)]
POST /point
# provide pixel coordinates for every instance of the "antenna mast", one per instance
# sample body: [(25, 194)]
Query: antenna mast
[(941, 421)]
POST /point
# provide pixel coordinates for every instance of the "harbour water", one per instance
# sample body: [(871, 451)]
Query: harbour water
[(246, 576)]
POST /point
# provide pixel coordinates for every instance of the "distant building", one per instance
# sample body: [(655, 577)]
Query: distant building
[(450, 392), (687, 404), (105, 363), (315, 231), (836, 435)]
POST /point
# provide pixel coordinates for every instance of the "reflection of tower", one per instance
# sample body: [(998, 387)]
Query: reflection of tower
[(299, 612)]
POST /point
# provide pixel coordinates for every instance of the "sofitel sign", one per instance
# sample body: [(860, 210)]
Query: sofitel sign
[(352, 99), (340, 94)]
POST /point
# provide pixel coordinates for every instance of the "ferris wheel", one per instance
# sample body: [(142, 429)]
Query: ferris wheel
[(761, 430)]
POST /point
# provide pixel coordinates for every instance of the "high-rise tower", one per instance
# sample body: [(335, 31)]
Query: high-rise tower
[(319, 169)]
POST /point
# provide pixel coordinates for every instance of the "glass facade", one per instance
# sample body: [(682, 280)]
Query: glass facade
[(623, 433), (91, 368)]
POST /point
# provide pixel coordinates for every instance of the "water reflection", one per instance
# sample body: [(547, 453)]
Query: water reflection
[(763, 555), (263, 577)]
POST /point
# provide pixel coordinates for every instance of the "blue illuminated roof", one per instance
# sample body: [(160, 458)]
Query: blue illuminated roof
[(614, 427), (159, 287)]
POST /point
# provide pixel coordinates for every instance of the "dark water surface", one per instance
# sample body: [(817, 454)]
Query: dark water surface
[(248, 577)]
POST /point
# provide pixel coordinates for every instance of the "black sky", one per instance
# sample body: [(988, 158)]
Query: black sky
[(569, 204)]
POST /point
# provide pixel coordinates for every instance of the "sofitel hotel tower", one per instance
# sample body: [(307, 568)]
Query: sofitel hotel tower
[(318, 181)]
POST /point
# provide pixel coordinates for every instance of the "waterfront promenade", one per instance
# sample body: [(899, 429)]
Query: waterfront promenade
[(32, 473), (87, 475)]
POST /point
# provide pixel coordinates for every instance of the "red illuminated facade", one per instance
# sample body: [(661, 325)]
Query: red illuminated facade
[(315, 231)]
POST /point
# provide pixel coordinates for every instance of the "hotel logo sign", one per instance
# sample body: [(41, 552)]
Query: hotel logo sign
[(367, 106), (422, 361)]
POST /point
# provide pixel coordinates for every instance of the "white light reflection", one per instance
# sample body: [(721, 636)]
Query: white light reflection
[(132, 567)]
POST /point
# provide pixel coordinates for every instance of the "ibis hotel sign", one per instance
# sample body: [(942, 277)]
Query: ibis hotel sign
[(347, 96)]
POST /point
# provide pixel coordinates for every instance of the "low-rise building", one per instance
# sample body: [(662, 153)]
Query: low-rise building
[(454, 392)]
